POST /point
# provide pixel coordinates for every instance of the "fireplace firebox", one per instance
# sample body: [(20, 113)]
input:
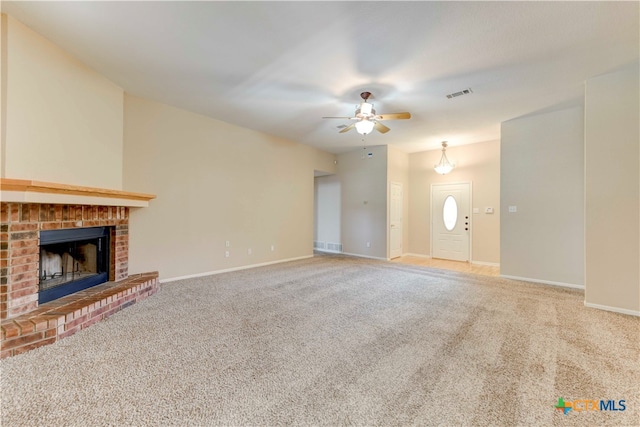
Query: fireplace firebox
[(72, 260)]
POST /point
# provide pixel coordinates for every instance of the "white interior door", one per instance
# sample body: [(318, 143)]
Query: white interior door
[(450, 221), (395, 219)]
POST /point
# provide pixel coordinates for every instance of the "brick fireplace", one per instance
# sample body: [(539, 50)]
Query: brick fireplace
[(27, 324), (21, 224)]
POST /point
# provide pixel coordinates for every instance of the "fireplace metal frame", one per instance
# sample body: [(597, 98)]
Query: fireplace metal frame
[(102, 234)]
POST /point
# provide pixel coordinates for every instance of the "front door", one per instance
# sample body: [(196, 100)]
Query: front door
[(395, 220), (450, 221)]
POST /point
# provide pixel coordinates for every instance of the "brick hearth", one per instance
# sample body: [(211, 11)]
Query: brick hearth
[(67, 315)]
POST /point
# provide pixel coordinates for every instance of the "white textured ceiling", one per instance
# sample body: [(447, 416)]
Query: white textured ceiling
[(278, 67)]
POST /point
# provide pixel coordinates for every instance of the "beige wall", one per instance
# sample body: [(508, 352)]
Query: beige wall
[(476, 163), (364, 201), (62, 121), (215, 182), (324, 163), (3, 90), (398, 171), (542, 164), (612, 174)]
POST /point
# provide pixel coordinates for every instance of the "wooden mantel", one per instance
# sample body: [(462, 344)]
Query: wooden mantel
[(27, 191)]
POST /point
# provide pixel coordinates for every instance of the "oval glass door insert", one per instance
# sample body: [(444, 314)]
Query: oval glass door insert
[(450, 213)]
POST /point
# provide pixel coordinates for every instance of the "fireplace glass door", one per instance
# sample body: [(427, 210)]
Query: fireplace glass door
[(72, 260)]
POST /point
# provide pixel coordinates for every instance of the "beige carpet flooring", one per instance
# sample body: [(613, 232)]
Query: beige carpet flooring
[(335, 340)]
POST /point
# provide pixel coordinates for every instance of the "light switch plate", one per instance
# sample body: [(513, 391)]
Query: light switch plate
[(513, 209)]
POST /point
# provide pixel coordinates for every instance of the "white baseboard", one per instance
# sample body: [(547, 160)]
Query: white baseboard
[(327, 251), (545, 282), (614, 309), (365, 256), (228, 270), (489, 264), (417, 255)]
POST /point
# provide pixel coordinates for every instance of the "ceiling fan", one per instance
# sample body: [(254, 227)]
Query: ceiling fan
[(367, 120)]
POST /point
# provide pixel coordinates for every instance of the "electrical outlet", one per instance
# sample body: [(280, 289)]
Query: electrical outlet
[(249, 251), (227, 244), (226, 254), (368, 244), (273, 248), (513, 209)]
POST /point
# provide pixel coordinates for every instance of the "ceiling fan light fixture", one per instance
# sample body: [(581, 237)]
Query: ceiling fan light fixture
[(366, 120), (444, 166), (366, 108), (364, 126)]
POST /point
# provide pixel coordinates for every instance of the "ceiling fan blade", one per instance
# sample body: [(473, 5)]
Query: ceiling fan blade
[(347, 118), (381, 128), (393, 116), (348, 128)]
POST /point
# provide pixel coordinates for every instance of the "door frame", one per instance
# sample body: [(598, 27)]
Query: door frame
[(391, 183), (470, 215)]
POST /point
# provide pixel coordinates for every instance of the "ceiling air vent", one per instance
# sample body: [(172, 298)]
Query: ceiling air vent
[(462, 92)]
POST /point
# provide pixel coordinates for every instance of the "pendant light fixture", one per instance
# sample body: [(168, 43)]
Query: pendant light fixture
[(444, 166)]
